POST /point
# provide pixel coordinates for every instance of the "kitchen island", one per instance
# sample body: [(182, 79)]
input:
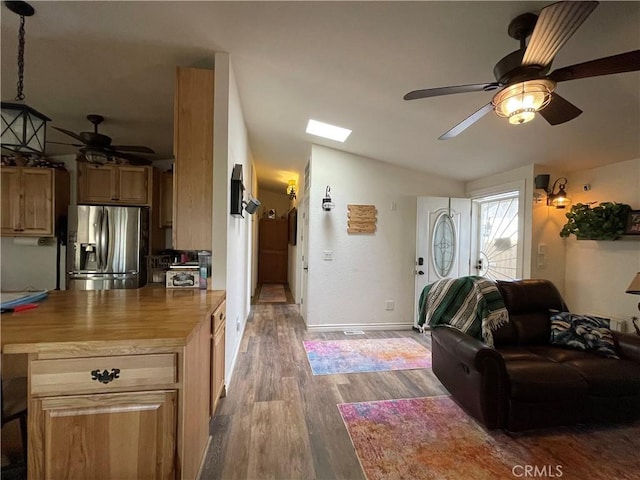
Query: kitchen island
[(122, 383)]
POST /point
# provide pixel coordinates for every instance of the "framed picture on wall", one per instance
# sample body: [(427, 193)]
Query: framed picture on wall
[(293, 226), (633, 223)]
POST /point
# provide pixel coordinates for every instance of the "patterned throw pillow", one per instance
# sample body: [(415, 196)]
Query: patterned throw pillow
[(583, 332)]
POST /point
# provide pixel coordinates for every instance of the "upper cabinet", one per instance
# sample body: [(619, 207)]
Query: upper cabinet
[(114, 184), (193, 167), (32, 200)]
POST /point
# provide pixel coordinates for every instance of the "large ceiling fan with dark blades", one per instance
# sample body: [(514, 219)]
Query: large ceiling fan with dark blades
[(96, 147), (523, 86)]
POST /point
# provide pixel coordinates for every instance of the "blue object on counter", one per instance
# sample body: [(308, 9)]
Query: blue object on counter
[(10, 300)]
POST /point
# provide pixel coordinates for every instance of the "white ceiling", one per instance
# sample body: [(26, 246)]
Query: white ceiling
[(347, 63)]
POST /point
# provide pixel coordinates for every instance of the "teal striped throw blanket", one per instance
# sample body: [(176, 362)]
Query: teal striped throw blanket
[(471, 304)]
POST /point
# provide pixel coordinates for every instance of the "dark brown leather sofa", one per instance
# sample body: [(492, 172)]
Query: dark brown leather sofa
[(524, 382)]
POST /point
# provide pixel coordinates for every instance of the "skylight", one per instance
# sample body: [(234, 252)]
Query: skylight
[(327, 131)]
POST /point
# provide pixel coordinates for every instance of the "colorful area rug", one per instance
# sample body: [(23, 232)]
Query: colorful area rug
[(432, 438), (272, 293), (366, 355)]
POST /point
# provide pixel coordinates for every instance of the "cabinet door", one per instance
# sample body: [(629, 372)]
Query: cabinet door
[(133, 185), (11, 201), (106, 436), (97, 183), (218, 328), (217, 379), (193, 168), (37, 191)]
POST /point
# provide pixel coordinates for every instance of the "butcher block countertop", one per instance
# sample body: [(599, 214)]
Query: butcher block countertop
[(75, 322)]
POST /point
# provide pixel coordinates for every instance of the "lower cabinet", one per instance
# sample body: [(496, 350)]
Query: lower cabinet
[(218, 328), (105, 436)]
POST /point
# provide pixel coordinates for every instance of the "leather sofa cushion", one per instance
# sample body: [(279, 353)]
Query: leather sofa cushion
[(607, 377), (529, 303), (536, 381)]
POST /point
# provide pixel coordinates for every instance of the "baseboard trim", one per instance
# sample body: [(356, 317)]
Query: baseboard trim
[(333, 327)]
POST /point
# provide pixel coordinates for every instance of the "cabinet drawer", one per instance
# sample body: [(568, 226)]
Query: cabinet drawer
[(219, 316), (102, 374)]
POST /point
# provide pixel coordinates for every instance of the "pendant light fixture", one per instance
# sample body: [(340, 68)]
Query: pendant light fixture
[(23, 128)]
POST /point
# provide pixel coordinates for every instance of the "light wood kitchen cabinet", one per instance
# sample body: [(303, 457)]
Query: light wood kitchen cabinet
[(193, 167), (122, 391), (114, 184), (218, 328), (107, 436), (33, 199), (166, 199)]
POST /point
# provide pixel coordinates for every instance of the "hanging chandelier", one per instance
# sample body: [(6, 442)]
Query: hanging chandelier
[(23, 128)]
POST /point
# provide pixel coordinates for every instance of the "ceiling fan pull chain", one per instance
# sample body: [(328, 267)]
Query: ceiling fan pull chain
[(20, 95)]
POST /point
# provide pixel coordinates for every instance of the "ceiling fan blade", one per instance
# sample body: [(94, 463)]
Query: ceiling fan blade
[(71, 134), (68, 144), (624, 62), (559, 110), (556, 24), (132, 148), (467, 122), (436, 92)]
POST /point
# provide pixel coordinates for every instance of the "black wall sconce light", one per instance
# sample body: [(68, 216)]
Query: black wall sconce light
[(237, 195), (555, 198), (291, 189), (327, 204)]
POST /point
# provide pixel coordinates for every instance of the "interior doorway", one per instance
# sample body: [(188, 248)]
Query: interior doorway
[(273, 250)]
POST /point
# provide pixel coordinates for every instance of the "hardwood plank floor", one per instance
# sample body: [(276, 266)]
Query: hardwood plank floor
[(278, 421)]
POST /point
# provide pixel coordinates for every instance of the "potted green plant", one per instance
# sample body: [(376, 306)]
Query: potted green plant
[(605, 221)]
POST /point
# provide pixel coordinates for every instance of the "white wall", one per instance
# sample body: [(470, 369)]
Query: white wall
[(599, 272), (232, 236), (367, 269), (272, 200)]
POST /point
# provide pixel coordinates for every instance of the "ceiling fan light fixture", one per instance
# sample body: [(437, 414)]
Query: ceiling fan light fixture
[(520, 102), (95, 156)]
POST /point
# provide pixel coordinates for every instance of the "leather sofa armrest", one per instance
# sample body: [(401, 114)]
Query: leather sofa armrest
[(627, 345), (474, 374), (468, 350)]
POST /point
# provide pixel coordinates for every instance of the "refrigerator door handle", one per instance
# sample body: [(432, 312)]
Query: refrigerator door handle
[(105, 238), (99, 241)]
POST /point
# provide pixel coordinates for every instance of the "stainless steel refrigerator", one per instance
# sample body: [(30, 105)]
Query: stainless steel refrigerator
[(107, 247)]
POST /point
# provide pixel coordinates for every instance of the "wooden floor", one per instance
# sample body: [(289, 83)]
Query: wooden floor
[(278, 421)]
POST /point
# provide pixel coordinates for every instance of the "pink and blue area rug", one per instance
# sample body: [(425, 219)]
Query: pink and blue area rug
[(433, 438), (366, 355)]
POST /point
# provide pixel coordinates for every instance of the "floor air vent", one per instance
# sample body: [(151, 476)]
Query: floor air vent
[(353, 332)]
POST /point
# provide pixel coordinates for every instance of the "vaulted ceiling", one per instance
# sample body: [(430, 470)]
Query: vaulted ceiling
[(347, 63)]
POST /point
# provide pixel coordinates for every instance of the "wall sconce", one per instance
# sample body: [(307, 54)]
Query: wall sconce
[(23, 128), (327, 204), (291, 189), (555, 198)]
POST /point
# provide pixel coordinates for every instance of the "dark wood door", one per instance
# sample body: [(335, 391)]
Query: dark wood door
[(273, 250)]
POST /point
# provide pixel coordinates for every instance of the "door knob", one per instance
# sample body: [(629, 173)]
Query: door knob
[(420, 272)]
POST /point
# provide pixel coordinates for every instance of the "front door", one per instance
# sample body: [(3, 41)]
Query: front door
[(443, 240)]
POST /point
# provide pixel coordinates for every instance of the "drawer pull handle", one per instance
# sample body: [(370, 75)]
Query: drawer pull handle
[(105, 376)]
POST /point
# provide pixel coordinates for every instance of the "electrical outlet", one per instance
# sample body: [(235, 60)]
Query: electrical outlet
[(389, 305)]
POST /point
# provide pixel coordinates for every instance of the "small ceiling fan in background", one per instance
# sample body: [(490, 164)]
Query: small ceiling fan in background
[(96, 147), (523, 86)]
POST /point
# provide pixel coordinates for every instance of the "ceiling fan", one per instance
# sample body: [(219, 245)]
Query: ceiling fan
[(523, 87), (96, 147)]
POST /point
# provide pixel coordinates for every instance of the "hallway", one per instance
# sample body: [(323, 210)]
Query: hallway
[(279, 421)]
